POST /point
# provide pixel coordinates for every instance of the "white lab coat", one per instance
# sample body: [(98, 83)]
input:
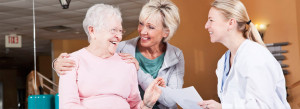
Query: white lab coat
[(255, 80)]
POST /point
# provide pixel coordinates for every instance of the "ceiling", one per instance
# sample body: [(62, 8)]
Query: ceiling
[(16, 17)]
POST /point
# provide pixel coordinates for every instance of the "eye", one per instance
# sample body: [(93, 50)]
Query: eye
[(151, 27), (120, 31), (113, 30), (141, 23)]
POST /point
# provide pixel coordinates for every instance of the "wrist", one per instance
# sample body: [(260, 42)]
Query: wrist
[(146, 106)]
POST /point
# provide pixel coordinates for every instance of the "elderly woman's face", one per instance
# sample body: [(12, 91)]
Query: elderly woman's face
[(216, 25), (109, 37), (151, 31)]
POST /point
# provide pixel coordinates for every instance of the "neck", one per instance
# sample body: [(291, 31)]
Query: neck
[(98, 51), (234, 42), (153, 51)]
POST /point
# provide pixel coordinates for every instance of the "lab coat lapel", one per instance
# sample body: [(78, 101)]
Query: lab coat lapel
[(232, 68)]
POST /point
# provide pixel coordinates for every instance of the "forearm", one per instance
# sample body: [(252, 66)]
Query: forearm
[(164, 99)]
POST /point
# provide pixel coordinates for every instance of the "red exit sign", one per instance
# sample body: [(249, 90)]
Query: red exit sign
[(13, 41)]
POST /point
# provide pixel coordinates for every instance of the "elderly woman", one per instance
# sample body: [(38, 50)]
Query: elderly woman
[(100, 78), (158, 21)]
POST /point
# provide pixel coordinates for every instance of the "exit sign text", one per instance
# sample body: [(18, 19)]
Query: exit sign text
[(13, 41)]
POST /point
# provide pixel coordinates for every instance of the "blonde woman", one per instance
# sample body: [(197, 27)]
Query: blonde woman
[(248, 74), (150, 51)]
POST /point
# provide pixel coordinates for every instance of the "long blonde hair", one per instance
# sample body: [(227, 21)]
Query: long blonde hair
[(235, 9)]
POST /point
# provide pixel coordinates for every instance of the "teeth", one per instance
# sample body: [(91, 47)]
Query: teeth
[(113, 42), (210, 32), (144, 38)]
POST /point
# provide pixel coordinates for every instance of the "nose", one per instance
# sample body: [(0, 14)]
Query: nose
[(206, 25), (119, 37), (143, 30)]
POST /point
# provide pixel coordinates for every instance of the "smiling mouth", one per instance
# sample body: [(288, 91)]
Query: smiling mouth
[(210, 32), (113, 42), (145, 38)]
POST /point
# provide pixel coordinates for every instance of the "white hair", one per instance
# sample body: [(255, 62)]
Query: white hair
[(98, 15), (167, 10)]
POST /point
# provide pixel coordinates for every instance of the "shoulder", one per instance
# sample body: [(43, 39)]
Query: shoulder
[(122, 63), (254, 52), (172, 49), (256, 57), (77, 54), (127, 43)]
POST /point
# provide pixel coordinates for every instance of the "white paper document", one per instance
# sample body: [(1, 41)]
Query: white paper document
[(187, 98)]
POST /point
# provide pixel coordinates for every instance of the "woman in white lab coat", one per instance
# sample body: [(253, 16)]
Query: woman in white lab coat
[(248, 75)]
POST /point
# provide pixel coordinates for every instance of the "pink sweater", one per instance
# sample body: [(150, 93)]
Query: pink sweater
[(99, 83)]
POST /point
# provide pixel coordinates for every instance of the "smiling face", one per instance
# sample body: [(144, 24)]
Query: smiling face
[(107, 39), (216, 25), (151, 31)]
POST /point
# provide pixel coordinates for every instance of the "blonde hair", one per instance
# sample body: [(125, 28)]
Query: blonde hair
[(168, 11), (235, 9), (97, 17)]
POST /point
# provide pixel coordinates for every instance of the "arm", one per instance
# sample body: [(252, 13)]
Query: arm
[(68, 90), (152, 93), (175, 82), (62, 64), (134, 98)]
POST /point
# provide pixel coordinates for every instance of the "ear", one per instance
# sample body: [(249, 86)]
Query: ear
[(91, 31), (166, 33), (232, 24)]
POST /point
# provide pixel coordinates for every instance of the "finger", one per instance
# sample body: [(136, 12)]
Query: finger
[(124, 54), (210, 101), (127, 57), (161, 82), (130, 61), (64, 55), (59, 62), (153, 84), (202, 104), (68, 64), (66, 69), (66, 60)]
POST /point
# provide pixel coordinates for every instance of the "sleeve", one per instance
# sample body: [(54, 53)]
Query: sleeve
[(259, 85), (68, 90), (134, 98), (175, 82)]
